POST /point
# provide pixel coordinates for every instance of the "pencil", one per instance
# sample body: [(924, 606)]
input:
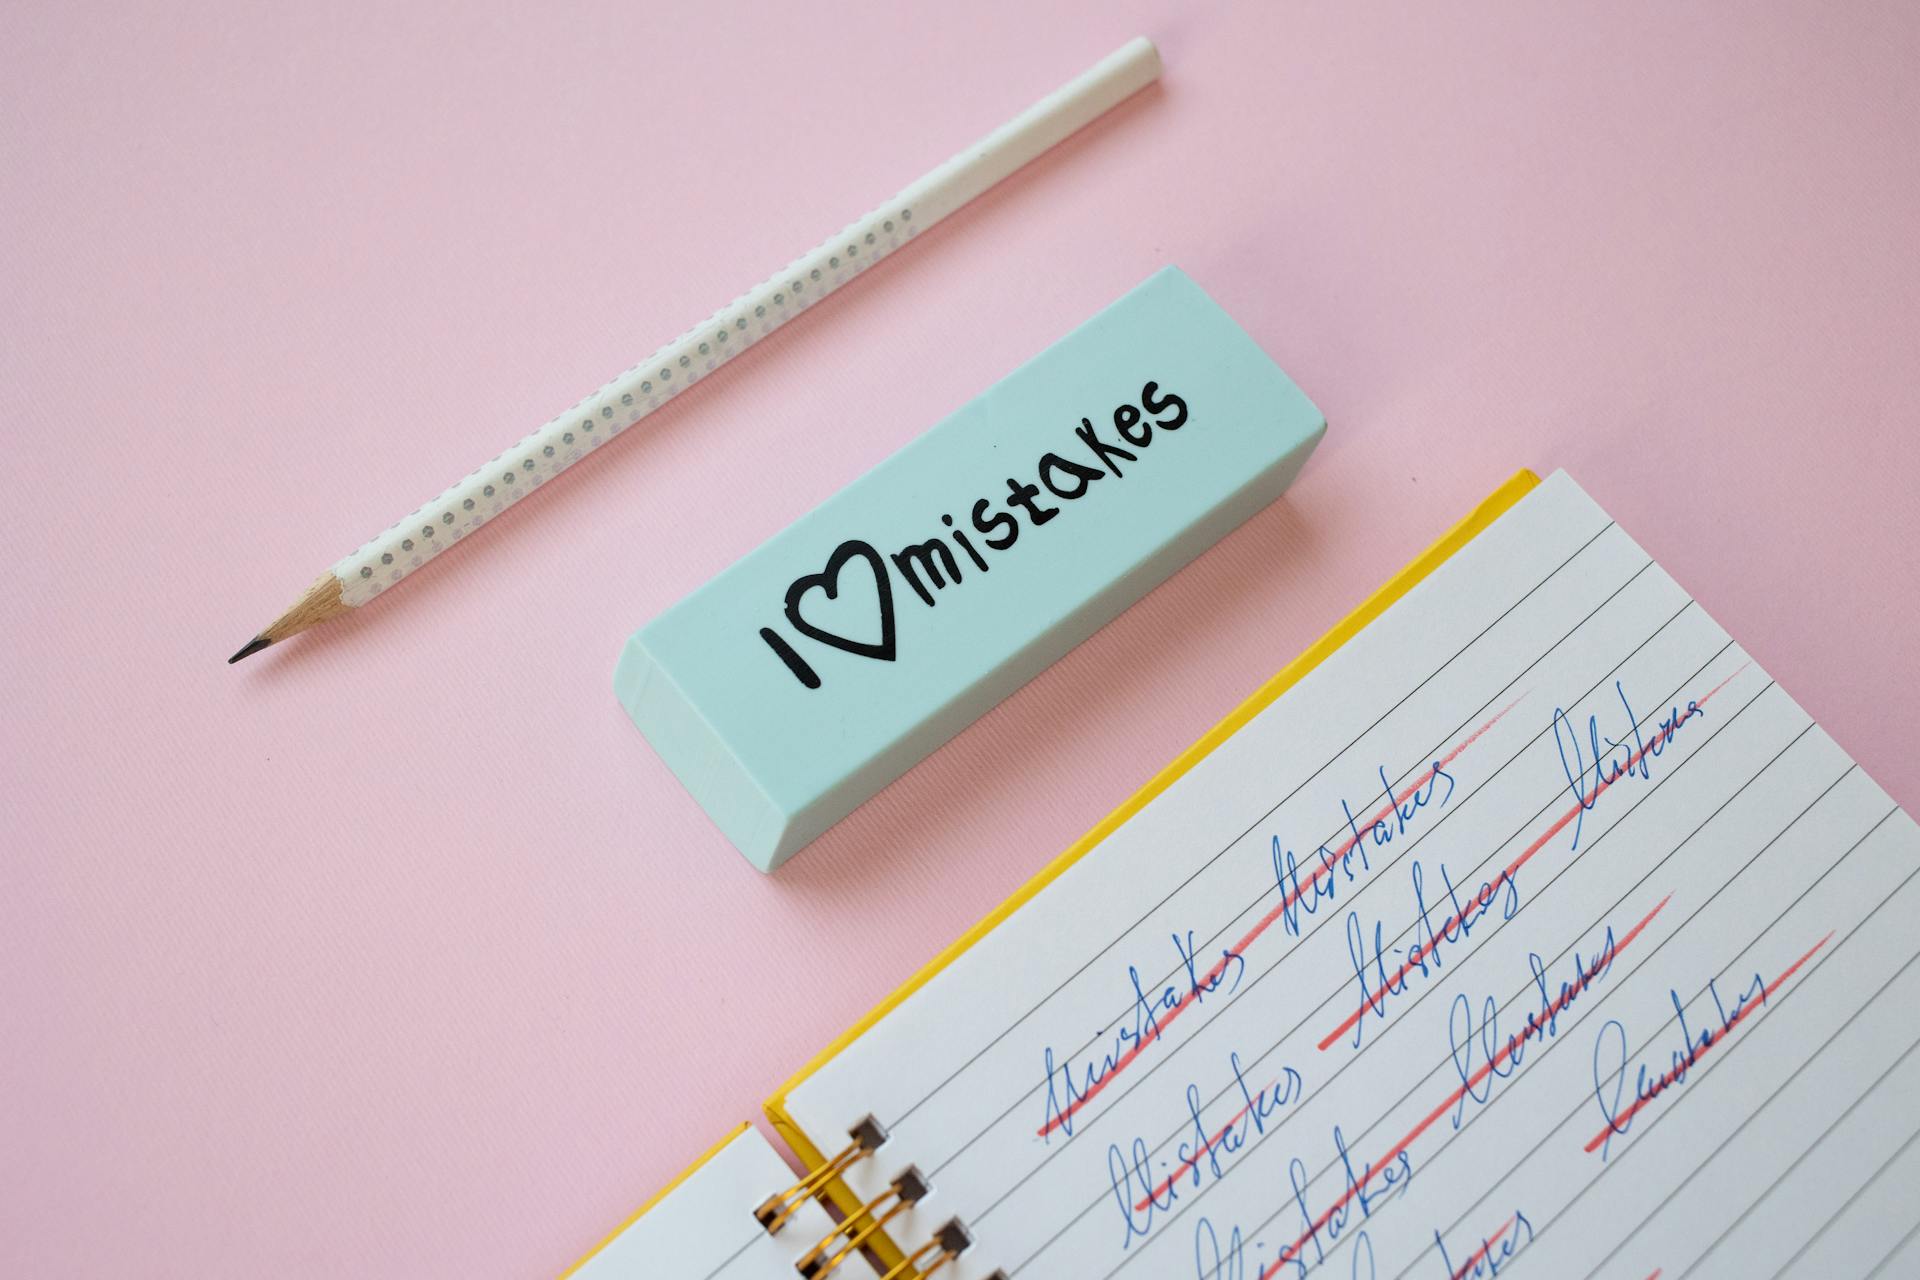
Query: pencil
[(422, 537)]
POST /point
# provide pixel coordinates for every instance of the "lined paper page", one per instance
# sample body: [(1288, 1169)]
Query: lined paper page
[(704, 1228), (1536, 928)]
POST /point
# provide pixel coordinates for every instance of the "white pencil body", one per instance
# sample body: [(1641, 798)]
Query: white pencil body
[(668, 372)]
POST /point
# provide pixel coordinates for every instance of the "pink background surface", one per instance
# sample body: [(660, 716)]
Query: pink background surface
[(397, 949)]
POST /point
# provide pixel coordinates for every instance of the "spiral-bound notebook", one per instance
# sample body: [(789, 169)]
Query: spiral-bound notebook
[(1531, 876)]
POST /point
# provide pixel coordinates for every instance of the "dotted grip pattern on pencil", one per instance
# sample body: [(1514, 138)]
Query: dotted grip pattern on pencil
[(680, 364), (568, 438)]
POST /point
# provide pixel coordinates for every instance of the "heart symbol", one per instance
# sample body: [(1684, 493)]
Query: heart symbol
[(829, 581)]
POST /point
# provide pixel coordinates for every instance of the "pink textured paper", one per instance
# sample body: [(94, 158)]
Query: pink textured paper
[(397, 951)]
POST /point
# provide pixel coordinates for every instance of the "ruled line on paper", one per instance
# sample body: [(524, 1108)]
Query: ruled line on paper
[(1536, 816), (1553, 1133), (1567, 1119), (1811, 1058), (1063, 1117), (1663, 735), (1746, 1004), (1898, 1248), (1805, 729), (1525, 825), (1119, 938), (1475, 1260), (942, 1162), (1331, 996), (1811, 1147), (1319, 1223), (1827, 1225), (1293, 896)]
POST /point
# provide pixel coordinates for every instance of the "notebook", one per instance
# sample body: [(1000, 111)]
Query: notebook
[(1523, 918)]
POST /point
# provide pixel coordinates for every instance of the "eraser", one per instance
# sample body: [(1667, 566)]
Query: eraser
[(830, 660)]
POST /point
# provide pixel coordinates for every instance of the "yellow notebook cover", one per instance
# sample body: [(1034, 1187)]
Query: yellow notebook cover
[(843, 1197)]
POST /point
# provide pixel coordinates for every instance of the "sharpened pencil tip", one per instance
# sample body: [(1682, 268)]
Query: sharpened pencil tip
[(250, 648)]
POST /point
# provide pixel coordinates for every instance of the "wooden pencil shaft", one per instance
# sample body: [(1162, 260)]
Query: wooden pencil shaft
[(321, 603), (418, 538)]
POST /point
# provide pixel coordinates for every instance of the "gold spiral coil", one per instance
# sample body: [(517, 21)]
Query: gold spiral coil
[(901, 1194), (948, 1243), (865, 1139)]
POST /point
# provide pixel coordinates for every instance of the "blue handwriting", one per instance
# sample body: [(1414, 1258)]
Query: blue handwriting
[(1214, 1261), (1495, 1251), (1070, 1084), (1424, 956), (1203, 1156), (1619, 758), (1610, 1058), (1500, 1061), (1321, 884)]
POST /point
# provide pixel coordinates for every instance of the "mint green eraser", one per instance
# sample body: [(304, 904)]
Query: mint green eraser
[(825, 664)]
